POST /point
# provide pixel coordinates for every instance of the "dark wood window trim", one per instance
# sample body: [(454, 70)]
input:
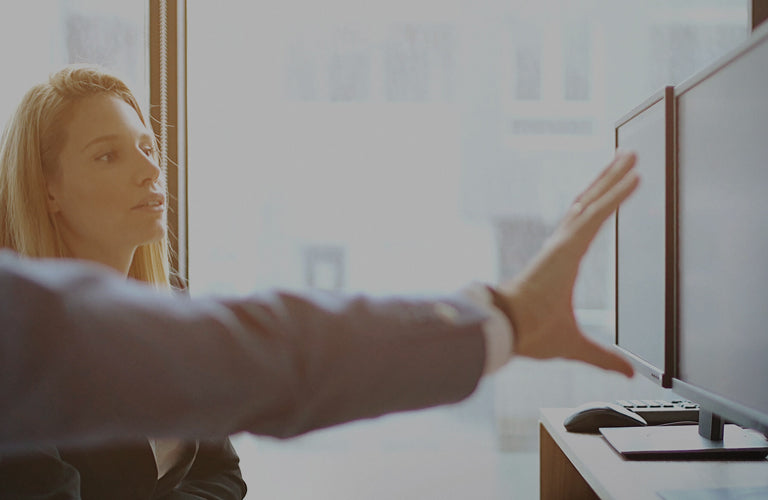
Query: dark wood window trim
[(758, 12), (167, 97)]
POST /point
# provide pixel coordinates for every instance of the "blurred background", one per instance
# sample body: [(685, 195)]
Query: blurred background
[(404, 147)]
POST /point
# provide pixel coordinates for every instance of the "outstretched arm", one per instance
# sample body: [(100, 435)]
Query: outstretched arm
[(87, 357)]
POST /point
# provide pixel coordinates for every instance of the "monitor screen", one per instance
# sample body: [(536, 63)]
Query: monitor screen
[(644, 236), (722, 126)]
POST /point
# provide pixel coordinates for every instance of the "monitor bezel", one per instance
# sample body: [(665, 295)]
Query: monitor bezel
[(728, 409), (660, 375)]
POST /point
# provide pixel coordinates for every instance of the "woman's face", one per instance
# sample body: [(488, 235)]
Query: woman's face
[(107, 193)]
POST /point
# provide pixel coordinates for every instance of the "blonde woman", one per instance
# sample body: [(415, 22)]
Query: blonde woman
[(79, 178)]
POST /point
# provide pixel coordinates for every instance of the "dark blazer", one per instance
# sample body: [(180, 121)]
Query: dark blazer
[(206, 470), (277, 364)]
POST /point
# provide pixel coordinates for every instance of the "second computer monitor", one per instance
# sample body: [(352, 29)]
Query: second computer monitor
[(645, 241), (722, 142)]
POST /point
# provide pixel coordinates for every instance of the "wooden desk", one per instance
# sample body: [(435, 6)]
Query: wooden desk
[(584, 466)]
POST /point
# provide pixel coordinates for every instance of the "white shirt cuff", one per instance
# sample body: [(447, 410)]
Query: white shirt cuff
[(497, 329)]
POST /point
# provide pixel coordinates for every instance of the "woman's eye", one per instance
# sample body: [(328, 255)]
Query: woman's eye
[(106, 157), (149, 151)]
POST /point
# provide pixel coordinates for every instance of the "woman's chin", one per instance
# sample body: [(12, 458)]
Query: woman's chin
[(158, 233)]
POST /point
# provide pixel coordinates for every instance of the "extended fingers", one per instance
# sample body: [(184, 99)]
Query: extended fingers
[(607, 204), (608, 178), (596, 355)]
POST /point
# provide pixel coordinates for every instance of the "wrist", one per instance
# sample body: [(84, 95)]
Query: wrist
[(496, 327), (501, 303)]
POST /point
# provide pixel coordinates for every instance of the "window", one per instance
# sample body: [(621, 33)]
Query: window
[(57, 32), (401, 147), (527, 45), (685, 48), (577, 71)]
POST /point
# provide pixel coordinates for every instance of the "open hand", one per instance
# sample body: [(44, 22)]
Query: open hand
[(540, 298)]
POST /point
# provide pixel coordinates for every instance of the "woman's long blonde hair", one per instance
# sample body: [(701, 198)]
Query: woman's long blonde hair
[(29, 150)]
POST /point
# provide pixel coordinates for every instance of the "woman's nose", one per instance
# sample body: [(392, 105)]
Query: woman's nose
[(149, 170)]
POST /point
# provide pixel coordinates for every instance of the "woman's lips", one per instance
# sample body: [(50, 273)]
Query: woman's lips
[(152, 202)]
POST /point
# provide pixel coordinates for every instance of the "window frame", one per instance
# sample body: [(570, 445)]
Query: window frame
[(758, 13), (168, 109)]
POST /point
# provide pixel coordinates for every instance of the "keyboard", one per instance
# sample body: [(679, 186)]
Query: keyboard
[(660, 412)]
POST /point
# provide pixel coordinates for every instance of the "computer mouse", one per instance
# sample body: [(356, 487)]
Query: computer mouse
[(589, 417)]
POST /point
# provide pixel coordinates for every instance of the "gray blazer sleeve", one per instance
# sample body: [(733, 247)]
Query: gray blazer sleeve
[(87, 357)]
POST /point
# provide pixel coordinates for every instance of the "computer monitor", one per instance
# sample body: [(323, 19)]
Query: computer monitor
[(722, 141), (721, 123), (645, 271)]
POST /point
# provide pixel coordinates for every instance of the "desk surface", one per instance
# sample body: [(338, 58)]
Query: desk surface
[(611, 476)]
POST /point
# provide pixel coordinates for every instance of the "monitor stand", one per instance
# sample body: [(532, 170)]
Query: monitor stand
[(711, 439)]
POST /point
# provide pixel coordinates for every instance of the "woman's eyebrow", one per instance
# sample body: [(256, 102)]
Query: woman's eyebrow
[(102, 138), (112, 137)]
